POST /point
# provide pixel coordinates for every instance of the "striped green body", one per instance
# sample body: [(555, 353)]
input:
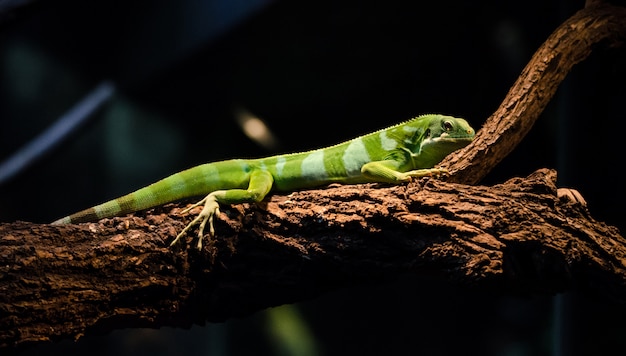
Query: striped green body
[(392, 155)]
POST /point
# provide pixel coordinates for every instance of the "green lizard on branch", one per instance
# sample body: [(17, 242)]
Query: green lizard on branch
[(392, 155)]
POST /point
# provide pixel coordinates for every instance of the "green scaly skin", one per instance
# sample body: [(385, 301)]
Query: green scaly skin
[(392, 155)]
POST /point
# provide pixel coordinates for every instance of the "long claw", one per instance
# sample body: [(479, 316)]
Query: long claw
[(427, 172), (201, 231), (182, 233), (211, 229), (188, 209)]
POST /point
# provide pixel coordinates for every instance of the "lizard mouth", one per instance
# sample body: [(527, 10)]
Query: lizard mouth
[(445, 139), (469, 135)]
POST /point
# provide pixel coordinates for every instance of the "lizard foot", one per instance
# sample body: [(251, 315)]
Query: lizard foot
[(210, 210), (427, 172)]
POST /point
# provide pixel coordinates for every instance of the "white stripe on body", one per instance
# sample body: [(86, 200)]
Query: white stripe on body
[(355, 157)]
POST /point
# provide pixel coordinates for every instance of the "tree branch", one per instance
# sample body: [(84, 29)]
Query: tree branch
[(597, 24), (517, 237)]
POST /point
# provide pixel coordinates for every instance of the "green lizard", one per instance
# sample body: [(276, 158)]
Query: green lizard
[(392, 155)]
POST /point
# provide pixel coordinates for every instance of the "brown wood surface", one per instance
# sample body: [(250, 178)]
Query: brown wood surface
[(596, 26), (516, 237)]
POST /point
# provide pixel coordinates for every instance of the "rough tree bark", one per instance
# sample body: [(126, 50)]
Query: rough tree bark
[(520, 237), (598, 24)]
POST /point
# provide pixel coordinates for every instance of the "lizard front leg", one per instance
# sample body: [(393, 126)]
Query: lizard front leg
[(387, 171), (260, 184)]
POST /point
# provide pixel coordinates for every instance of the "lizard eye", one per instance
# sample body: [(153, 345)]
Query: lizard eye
[(447, 125)]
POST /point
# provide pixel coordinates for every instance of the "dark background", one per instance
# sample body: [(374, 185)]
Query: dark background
[(318, 72)]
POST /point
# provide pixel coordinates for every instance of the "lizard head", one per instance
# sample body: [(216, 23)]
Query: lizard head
[(447, 130), (439, 136)]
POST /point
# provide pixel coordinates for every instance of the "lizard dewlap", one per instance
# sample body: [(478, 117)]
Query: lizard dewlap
[(392, 155)]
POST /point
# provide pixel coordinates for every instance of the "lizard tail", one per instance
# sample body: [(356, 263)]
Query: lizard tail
[(199, 180), (141, 199)]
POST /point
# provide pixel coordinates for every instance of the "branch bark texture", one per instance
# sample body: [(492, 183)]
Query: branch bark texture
[(596, 25), (517, 237)]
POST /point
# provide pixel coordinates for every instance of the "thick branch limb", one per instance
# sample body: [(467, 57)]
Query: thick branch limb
[(570, 43), (60, 281)]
